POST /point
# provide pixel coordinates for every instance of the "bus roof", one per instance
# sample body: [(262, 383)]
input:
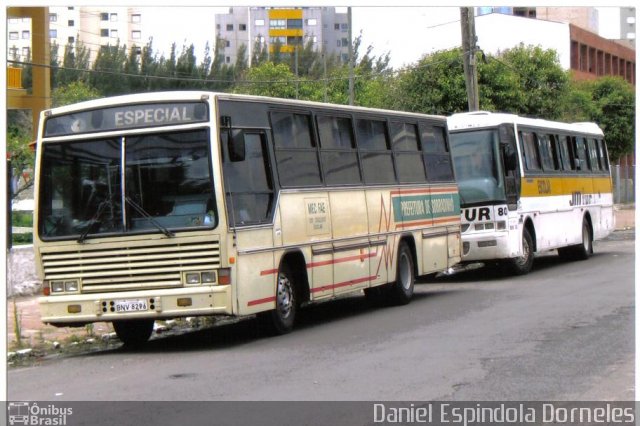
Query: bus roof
[(479, 119), (188, 95)]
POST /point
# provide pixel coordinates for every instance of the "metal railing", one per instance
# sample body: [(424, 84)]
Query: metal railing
[(624, 183)]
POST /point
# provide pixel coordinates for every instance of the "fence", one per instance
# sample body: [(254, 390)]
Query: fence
[(624, 183)]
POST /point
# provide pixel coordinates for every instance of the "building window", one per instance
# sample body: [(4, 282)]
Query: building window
[(71, 23), (14, 20), (71, 40), (344, 27), (278, 24), (631, 20), (345, 42), (312, 22), (227, 43), (26, 52), (70, 8), (228, 59), (13, 52), (104, 16), (104, 32), (336, 27), (13, 35), (229, 27), (53, 33), (136, 18), (53, 17), (259, 22), (242, 27), (217, 26), (114, 33), (136, 35), (26, 34), (114, 17), (294, 23)]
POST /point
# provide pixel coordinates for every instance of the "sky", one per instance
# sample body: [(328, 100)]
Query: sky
[(372, 22)]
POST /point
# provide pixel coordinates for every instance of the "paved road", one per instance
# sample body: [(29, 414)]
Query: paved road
[(563, 332)]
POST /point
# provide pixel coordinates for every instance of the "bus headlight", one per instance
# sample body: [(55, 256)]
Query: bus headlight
[(192, 278), (208, 277), (57, 286), (71, 286), (200, 277)]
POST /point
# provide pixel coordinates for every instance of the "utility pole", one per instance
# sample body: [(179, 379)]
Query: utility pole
[(468, 26), (351, 94)]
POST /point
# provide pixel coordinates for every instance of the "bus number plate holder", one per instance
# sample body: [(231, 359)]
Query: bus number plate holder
[(131, 305)]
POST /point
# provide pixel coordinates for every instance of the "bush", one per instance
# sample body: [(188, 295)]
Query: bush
[(22, 219), (19, 239)]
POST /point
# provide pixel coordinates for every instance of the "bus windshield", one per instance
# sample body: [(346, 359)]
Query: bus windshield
[(166, 184), (476, 160)]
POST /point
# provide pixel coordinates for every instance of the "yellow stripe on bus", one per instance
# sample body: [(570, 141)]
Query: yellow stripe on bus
[(549, 186)]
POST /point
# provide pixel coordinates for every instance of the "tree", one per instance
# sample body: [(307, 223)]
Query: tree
[(74, 92), (269, 79), (610, 102), (108, 76)]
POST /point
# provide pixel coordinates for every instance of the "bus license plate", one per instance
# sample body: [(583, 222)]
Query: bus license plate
[(131, 305)]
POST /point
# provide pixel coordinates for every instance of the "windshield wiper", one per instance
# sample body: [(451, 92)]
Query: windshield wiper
[(95, 219), (146, 215)]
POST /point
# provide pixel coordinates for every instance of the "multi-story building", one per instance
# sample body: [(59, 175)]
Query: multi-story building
[(628, 25), (91, 26), (265, 27)]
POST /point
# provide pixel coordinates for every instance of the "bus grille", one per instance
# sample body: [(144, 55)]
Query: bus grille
[(138, 266)]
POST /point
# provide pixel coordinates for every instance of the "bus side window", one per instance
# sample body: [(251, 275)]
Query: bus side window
[(248, 183), (594, 158), (603, 154), (546, 145), (435, 150), (582, 162), (338, 153), (296, 153), (529, 148), (377, 162), (404, 141), (566, 150)]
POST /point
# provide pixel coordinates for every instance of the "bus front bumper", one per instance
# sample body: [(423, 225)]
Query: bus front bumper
[(80, 309), (487, 246)]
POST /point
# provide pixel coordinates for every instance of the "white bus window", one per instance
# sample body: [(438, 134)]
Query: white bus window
[(581, 154), (594, 158), (529, 146), (566, 153), (547, 146), (603, 154)]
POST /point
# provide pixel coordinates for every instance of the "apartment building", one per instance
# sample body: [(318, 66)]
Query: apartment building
[(628, 25), (327, 29), (91, 26)]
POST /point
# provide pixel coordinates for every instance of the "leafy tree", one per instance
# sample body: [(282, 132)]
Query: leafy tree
[(260, 54), (610, 102), (109, 68), (75, 62), (269, 79), (74, 92)]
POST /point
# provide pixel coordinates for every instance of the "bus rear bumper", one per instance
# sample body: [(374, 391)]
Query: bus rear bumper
[(485, 246), (80, 309)]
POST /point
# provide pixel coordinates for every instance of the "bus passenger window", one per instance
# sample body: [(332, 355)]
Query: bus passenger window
[(582, 156), (603, 154), (404, 140), (594, 158), (377, 163), (436, 153), (532, 160), (337, 151), (567, 153)]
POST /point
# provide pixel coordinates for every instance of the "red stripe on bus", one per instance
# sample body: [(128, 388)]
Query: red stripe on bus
[(261, 301), (342, 284), (325, 263)]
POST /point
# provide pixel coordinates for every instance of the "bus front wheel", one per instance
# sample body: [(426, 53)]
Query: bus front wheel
[(133, 332), (523, 264), (282, 318)]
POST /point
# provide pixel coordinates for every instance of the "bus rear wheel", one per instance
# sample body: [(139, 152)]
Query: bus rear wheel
[(401, 291), (580, 251), (523, 264), (133, 332)]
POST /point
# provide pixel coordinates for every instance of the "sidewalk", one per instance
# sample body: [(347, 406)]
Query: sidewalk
[(35, 334)]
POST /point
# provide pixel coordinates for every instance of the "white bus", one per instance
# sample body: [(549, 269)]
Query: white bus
[(166, 205), (529, 185)]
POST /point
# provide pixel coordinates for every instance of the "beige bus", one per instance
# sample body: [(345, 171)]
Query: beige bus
[(179, 204)]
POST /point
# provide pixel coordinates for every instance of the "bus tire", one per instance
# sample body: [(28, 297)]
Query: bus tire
[(282, 319), (580, 251), (133, 332), (523, 264), (401, 290)]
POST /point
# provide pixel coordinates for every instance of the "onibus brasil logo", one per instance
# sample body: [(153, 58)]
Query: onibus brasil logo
[(31, 414)]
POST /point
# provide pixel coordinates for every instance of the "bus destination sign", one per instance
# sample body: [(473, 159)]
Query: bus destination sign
[(126, 117)]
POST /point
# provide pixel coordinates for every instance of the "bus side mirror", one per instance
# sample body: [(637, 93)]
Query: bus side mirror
[(510, 157), (236, 146)]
